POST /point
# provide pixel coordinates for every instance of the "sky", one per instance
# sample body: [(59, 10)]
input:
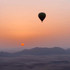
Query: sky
[(19, 23)]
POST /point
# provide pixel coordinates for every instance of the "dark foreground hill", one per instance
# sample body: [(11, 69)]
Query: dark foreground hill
[(38, 51), (31, 62)]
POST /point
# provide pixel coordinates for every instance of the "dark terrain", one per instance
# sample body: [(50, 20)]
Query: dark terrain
[(29, 62), (43, 59), (38, 51)]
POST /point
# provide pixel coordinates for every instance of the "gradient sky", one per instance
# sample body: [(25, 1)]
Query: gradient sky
[(19, 23)]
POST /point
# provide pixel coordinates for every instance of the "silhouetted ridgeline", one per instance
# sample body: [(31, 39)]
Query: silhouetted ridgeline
[(38, 51)]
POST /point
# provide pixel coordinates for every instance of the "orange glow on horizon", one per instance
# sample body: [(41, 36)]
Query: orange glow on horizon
[(22, 44), (19, 23)]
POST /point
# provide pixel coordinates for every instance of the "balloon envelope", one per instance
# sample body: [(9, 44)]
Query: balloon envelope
[(41, 16)]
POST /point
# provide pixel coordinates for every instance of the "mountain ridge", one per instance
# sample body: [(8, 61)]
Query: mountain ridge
[(38, 51)]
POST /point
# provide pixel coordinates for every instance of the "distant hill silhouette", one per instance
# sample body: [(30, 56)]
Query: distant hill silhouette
[(38, 51), (3, 54)]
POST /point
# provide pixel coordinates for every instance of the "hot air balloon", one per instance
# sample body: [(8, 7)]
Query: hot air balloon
[(42, 16)]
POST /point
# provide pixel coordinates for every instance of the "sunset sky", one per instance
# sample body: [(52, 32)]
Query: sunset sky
[(19, 23)]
